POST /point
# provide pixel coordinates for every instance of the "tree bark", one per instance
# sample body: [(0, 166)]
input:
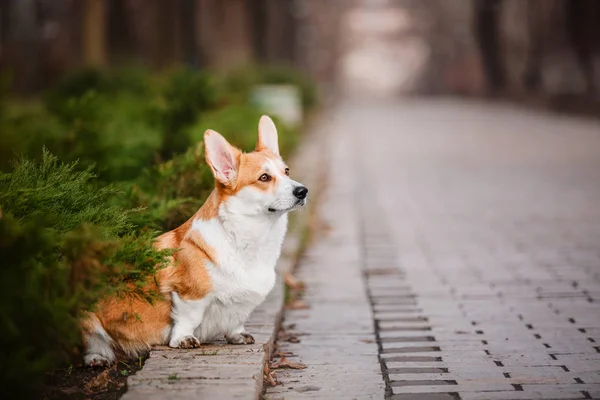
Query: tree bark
[(94, 33), (581, 24), (532, 76), (487, 37)]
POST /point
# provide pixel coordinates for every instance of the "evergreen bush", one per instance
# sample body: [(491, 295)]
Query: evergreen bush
[(62, 247)]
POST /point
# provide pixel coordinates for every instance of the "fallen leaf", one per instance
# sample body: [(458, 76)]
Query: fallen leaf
[(294, 283), (291, 327), (98, 382), (297, 305), (288, 337), (367, 340), (271, 379), (281, 354), (285, 363)]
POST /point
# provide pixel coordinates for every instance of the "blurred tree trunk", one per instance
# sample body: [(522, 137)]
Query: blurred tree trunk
[(487, 37), (121, 41), (279, 31), (94, 33), (166, 35), (532, 76), (582, 19), (23, 49), (4, 31), (259, 29), (59, 50), (225, 34), (187, 11)]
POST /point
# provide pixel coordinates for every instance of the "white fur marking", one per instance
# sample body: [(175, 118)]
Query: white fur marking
[(187, 315), (99, 349), (249, 244)]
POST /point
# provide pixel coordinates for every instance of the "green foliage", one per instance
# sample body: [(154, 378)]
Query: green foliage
[(61, 194), (112, 131), (237, 84), (63, 249), (172, 191), (24, 131), (187, 94), (102, 82)]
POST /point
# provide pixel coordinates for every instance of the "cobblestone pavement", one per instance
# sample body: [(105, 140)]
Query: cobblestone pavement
[(337, 340), (475, 230)]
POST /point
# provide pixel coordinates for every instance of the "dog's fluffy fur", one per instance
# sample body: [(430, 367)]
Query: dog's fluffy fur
[(225, 261)]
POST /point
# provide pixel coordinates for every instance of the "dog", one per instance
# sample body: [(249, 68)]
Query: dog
[(224, 263)]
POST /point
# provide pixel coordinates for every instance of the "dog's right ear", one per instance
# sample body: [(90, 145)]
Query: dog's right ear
[(222, 158)]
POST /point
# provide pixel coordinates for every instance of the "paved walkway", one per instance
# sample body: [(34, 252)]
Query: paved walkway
[(471, 234)]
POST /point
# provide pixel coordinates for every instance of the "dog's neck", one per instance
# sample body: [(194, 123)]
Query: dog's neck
[(248, 232)]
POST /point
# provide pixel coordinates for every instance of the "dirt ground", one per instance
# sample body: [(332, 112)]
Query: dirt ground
[(79, 382)]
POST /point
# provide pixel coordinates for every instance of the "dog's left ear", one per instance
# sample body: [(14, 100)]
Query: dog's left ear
[(267, 135)]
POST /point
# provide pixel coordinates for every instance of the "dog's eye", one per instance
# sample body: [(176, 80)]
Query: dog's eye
[(264, 178), (287, 171)]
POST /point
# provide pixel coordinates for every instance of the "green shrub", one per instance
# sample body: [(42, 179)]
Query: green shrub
[(24, 130), (63, 247), (129, 139), (106, 121), (114, 135), (171, 192), (187, 94), (136, 81), (237, 84)]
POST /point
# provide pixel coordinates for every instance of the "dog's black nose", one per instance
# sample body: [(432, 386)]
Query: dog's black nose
[(300, 192)]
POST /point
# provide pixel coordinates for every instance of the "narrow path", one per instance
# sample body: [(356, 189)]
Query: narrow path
[(336, 334), (471, 233)]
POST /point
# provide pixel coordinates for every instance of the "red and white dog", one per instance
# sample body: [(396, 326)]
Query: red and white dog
[(225, 263)]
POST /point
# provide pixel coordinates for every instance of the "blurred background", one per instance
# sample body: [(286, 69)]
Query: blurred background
[(103, 104), (514, 48), (544, 52), (41, 40)]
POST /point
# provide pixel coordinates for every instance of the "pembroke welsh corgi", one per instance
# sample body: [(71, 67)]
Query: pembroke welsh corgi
[(224, 265)]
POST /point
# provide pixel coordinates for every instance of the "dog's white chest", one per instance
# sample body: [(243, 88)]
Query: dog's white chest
[(243, 275)]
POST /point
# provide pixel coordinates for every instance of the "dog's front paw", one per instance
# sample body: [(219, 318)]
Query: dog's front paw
[(96, 361), (185, 342), (240, 338)]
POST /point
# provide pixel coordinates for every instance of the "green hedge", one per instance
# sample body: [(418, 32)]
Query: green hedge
[(63, 247), (123, 160)]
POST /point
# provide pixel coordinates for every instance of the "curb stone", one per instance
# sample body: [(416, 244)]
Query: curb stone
[(220, 370)]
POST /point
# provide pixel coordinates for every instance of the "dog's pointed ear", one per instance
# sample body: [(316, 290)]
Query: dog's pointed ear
[(222, 157), (267, 135)]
